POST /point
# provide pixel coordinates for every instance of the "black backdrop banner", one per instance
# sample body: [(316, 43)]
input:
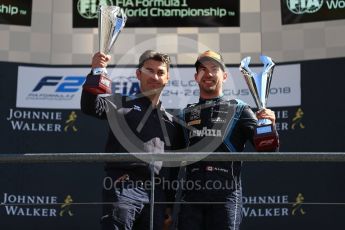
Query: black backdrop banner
[(16, 12), (300, 11), (168, 13), (67, 196)]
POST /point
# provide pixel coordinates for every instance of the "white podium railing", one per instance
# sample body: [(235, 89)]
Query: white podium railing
[(170, 156)]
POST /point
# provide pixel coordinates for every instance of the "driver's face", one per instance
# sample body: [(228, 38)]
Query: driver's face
[(153, 75), (210, 77)]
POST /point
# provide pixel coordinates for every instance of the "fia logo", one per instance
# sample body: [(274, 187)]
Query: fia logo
[(304, 6), (88, 8)]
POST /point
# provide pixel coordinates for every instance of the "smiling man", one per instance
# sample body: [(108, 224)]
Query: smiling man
[(216, 124), (137, 124)]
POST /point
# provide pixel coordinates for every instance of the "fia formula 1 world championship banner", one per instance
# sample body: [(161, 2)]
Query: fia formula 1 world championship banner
[(300, 11), (162, 13), (15, 12), (60, 88)]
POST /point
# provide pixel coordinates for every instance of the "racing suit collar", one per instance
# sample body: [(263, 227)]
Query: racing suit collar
[(203, 100)]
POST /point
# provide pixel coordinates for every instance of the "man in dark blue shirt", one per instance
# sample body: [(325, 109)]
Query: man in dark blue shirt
[(137, 124), (215, 124)]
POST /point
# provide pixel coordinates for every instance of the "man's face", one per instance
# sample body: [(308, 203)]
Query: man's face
[(210, 77), (153, 75)]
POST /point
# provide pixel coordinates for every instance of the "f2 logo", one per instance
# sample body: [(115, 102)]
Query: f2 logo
[(69, 84)]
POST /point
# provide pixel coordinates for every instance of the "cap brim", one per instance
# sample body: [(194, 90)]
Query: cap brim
[(203, 59)]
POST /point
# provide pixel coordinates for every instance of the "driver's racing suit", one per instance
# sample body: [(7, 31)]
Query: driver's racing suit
[(215, 125)]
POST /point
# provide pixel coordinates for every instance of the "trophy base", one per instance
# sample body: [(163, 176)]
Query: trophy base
[(97, 84), (266, 138)]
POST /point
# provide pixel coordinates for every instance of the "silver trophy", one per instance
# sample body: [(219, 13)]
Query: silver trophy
[(259, 85), (111, 20)]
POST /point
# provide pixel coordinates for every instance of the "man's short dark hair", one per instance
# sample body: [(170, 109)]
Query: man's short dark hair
[(154, 55)]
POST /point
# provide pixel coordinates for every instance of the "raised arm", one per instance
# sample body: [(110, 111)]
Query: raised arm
[(91, 103)]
